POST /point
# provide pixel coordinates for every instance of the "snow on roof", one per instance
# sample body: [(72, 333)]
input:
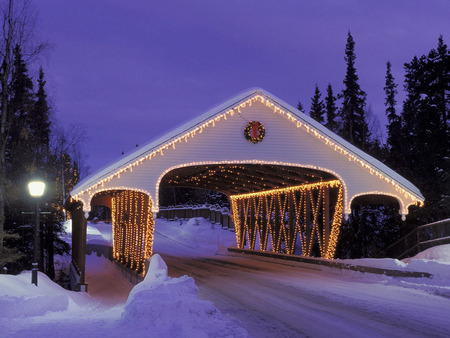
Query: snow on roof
[(185, 128)]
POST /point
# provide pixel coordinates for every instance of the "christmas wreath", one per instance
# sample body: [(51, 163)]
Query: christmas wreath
[(254, 132)]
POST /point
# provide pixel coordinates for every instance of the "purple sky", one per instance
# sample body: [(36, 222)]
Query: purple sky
[(132, 70)]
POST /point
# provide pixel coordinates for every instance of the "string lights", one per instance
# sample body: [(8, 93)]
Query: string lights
[(403, 206), (242, 163), (258, 96), (264, 213), (133, 227)]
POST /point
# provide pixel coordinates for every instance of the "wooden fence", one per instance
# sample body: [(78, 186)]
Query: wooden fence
[(421, 238), (214, 213)]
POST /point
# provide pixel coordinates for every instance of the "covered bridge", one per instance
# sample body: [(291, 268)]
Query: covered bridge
[(289, 180)]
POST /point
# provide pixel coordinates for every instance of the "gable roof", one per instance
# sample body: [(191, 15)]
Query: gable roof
[(213, 115)]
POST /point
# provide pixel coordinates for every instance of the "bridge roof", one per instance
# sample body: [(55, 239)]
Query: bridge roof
[(190, 128)]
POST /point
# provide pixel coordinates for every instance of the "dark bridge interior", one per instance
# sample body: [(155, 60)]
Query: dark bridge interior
[(232, 179)]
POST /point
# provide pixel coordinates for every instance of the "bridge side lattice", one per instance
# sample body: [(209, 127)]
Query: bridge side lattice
[(309, 213)]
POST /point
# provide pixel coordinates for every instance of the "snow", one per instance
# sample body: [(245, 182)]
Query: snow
[(19, 298), (439, 254), (163, 140), (174, 307), (182, 296)]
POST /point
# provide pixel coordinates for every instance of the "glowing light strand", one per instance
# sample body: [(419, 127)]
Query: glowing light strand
[(278, 202), (133, 227), (276, 109)]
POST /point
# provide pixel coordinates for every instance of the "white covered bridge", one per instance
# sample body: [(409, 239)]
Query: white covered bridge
[(289, 180)]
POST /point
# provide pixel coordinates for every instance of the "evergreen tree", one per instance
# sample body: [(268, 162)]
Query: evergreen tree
[(17, 29), (19, 146), (394, 141), (40, 121), (19, 152), (354, 126), (50, 165), (425, 135), (300, 107), (317, 111), (53, 225), (330, 107)]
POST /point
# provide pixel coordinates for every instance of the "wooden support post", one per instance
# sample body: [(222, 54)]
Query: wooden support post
[(308, 226), (276, 236), (243, 220), (251, 224), (79, 225), (326, 218), (292, 231), (264, 224)]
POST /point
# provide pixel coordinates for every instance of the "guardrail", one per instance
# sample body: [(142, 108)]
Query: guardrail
[(214, 213), (421, 238)]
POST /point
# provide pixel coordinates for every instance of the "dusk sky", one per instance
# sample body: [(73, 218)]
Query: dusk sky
[(132, 70)]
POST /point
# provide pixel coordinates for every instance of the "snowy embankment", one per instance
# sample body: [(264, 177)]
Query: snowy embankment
[(170, 307), (160, 305)]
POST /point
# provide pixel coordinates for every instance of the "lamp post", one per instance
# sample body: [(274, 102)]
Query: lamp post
[(36, 189)]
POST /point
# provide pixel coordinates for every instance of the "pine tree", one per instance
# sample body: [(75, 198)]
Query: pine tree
[(394, 122), (17, 29), (300, 107), (53, 227), (19, 146), (29, 155), (330, 107), (40, 121), (354, 126), (49, 164), (317, 111), (425, 126), (19, 149)]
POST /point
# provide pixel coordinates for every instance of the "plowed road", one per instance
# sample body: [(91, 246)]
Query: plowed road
[(273, 299)]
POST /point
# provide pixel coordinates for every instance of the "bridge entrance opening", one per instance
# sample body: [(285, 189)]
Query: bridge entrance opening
[(283, 209)]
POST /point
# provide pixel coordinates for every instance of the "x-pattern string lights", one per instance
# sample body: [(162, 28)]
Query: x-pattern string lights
[(277, 109), (264, 213)]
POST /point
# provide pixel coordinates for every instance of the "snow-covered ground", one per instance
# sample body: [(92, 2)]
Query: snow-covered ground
[(229, 295)]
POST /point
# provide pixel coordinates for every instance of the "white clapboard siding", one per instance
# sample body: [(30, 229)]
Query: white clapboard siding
[(285, 144)]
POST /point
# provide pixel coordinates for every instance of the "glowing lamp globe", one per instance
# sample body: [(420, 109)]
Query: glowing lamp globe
[(36, 188)]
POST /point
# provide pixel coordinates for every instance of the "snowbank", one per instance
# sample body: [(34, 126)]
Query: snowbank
[(168, 306), (159, 306), (20, 298), (439, 253), (435, 261)]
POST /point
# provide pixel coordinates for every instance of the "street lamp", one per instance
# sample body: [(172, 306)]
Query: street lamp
[(36, 189)]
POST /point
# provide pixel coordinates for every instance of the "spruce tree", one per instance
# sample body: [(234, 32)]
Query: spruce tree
[(354, 126), (19, 153), (48, 163), (21, 103), (425, 128), (394, 123), (300, 107), (40, 121), (330, 107), (18, 24), (317, 111)]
